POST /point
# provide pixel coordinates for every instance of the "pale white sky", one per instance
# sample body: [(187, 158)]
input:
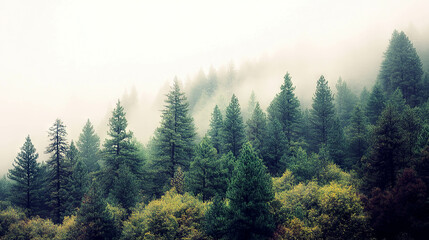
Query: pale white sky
[(74, 59)]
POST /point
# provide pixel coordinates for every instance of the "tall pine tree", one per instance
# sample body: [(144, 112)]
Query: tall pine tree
[(322, 114), (257, 129), (216, 127), (345, 100), (402, 68), (233, 128), (357, 133), (59, 169), (249, 194), (375, 105), (174, 139), (89, 147), (25, 176), (285, 108)]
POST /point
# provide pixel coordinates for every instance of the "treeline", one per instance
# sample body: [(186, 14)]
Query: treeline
[(350, 167)]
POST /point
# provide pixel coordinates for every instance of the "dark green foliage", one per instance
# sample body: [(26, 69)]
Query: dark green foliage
[(25, 176), (206, 174), (93, 220), (275, 147), (125, 188), (305, 129), (72, 154), (216, 219), (336, 143), (322, 114), (345, 100), (285, 108), (375, 104), (402, 68), (385, 157), (174, 139), (233, 128), (78, 185), (216, 128), (89, 147), (249, 194), (304, 167), (364, 96), (411, 126), (59, 169), (119, 149), (257, 129), (357, 135)]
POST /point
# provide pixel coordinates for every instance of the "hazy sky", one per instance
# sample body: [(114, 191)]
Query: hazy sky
[(73, 59)]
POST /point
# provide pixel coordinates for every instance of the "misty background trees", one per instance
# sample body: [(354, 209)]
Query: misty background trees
[(349, 165)]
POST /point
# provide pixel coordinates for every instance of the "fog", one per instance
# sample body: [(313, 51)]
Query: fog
[(74, 59)]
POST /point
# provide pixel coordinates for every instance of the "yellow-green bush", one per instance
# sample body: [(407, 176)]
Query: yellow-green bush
[(174, 216), (8, 217), (35, 228)]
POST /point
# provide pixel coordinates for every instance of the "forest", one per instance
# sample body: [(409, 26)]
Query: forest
[(351, 166)]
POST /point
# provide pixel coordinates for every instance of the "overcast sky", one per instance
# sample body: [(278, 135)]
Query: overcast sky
[(73, 59)]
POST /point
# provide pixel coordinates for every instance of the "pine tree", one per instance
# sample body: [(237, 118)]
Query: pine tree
[(249, 194), (376, 104), (285, 108), (59, 169), (233, 128), (216, 219), (402, 68), (93, 220), (385, 157), (322, 114), (250, 106), (72, 154), (118, 149), (4, 188), (357, 137), (275, 147), (125, 188), (215, 131), (344, 101), (212, 80), (336, 143), (257, 129), (178, 181), (205, 172), (78, 185), (89, 147), (174, 139), (25, 176)]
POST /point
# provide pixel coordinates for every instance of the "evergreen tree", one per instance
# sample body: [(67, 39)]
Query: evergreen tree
[(78, 185), (411, 125), (322, 114), (25, 176), (178, 181), (93, 220), (385, 158), (216, 128), (212, 80), (275, 147), (72, 154), (216, 219), (257, 129), (205, 172), (174, 139), (59, 169), (402, 68), (249, 194), (376, 104), (233, 127), (285, 108), (89, 147), (119, 149), (344, 101), (357, 137), (125, 188), (250, 106), (336, 143)]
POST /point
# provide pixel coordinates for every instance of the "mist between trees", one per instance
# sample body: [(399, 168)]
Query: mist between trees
[(349, 165)]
